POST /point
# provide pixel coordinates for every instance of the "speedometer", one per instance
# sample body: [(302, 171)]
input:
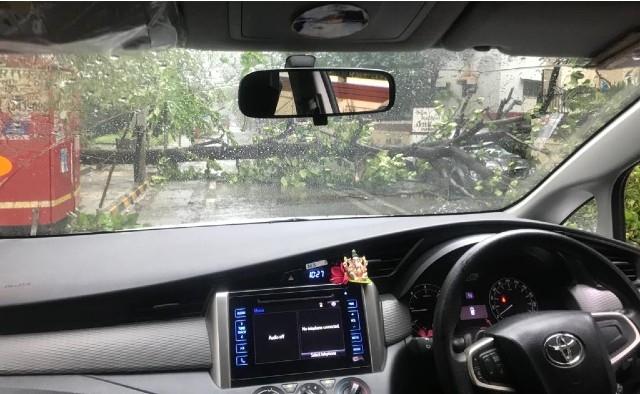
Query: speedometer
[(422, 303), (510, 296)]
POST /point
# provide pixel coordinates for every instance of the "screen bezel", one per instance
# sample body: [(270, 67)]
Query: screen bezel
[(299, 369)]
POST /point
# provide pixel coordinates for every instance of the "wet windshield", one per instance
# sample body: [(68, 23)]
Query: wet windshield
[(106, 143)]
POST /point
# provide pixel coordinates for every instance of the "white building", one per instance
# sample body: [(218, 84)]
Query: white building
[(491, 75)]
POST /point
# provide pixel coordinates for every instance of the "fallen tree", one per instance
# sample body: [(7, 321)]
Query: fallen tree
[(214, 150)]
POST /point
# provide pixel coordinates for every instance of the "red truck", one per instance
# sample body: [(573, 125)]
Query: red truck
[(39, 144)]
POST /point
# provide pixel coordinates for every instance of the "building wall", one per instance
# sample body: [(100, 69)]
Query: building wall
[(391, 133), (494, 75)]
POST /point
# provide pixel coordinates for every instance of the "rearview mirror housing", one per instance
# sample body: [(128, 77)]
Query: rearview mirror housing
[(315, 92)]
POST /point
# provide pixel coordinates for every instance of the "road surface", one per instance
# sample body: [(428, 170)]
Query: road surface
[(202, 201), (92, 183), (175, 203)]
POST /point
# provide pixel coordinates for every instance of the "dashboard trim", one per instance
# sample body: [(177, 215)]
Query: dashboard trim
[(170, 345), (396, 319), (375, 326), (432, 256), (221, 368)]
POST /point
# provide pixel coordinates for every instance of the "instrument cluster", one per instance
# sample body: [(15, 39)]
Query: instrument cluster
[(488, 297), (505, 297)]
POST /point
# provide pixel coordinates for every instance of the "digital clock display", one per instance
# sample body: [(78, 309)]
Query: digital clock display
[(317, 274)]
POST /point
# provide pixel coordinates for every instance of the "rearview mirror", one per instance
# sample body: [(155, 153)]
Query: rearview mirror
[(315, 92)]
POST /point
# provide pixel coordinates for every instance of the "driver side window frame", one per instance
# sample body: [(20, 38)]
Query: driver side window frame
[(619, 206), (584, 217)]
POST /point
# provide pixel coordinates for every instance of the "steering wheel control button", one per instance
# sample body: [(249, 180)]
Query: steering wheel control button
[(485, 367), (491, 367), (352, 304), (328, 383), (564, 350), (477, 370), (290, 387)]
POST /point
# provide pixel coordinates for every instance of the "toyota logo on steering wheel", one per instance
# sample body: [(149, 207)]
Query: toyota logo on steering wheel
[(564, 350)]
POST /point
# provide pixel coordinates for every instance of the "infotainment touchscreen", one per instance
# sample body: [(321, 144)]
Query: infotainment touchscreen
[(301, 331)]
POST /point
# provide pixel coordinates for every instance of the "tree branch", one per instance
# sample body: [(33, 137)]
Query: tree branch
[(525, 143), (503, 102)]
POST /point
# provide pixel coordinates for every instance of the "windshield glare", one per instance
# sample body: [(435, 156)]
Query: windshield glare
[(93, 143)]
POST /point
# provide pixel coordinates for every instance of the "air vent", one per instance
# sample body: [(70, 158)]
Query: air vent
[(627, 268), (383, 267), (626, 259), (385, 258)]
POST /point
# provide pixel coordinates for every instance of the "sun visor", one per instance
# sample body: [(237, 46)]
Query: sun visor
[(625, 53), (103, 27)]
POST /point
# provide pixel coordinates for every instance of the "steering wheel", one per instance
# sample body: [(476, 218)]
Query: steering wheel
[(554, 352)]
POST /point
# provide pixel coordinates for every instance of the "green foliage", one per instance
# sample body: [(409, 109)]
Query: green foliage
[(383, 170), (169, 170), (106, 139), (170, 86), (632, 206), (339, 165), (293, 173), (587, 109), (102, 221), (585, 218)]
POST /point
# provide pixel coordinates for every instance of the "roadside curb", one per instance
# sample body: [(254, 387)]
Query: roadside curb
[(128, 199)]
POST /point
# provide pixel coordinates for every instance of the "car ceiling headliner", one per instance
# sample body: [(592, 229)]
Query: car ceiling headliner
[(581, 29)]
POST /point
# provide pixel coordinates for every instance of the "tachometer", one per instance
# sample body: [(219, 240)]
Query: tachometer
[(422, 303), (510, 296)]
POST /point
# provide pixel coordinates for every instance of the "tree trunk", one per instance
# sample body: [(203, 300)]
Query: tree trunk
[(165, 139), (553, 80), (140, 157)]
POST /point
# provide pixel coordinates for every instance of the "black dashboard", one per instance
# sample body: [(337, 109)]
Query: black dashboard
[(251, 309)]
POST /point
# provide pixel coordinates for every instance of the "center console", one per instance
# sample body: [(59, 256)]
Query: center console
[(295, 334)]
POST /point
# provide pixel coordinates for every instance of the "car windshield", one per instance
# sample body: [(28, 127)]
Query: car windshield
[(92, 143)]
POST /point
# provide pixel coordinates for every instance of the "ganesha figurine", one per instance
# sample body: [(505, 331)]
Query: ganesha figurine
[(352, 269), (356, 268)]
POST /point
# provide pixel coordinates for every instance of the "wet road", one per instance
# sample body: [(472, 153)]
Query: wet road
[(201, 201), (175, 203), (92, 184)]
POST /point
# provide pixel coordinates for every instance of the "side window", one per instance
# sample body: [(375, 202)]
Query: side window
[(632, 207), (584, 218)]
